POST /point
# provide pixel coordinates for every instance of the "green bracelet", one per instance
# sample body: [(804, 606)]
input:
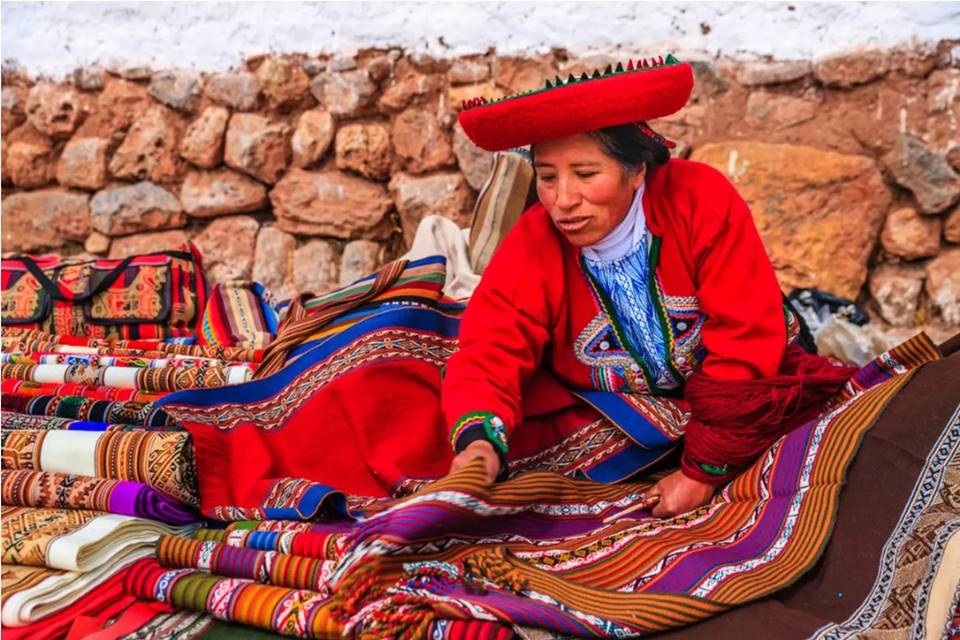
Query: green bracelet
[(714, 470)]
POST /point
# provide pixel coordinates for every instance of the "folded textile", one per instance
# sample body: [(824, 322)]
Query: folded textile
[(41, 489), (19, 421), (88, 409), (19, 390), (437, 235), (163, 460), (266, 567), (294, 612), (56, 540), (151, 379), (238, 313), (35, 609), (75, 539), (146, 620)]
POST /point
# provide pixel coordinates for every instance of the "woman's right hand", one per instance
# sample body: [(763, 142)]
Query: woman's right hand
[(479, 449)]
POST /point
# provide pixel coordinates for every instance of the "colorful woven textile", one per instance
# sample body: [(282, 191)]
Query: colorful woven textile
[(295, 612), (535, 551), (263, 447), (162, 460), (66, 491), (918, 582), (299, 324), (34, 536), (267, 567), (30, 341), (75, 539), (153, 296), (41, 603), (88, 409), (237, 314), (19, 421), (142, 379), (536, 547), (304, 540), (39, 357), (14, 389), (153, 621)]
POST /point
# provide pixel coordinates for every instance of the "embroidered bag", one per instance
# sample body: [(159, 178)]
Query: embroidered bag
[(157, 295)]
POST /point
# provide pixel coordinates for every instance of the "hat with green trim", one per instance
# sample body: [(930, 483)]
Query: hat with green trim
[(635, 93)]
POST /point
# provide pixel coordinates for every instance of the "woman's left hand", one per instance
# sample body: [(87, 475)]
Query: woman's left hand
[(679, 494)]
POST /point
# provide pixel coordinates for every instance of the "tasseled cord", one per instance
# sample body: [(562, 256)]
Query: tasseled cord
[(734, 421)]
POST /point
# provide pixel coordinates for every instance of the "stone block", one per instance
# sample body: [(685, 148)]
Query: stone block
[(118, 211)]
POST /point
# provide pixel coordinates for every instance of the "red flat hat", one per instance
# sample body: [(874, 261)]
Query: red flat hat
[(643, 91)]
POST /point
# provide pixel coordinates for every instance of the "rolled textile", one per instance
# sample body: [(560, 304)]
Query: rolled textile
[(19, 421), (163, 460), (31, 340), (89, 409), (75, 539), (266, 567), (136, 378), (10, 420), (304, 542), (30, 389), (293, 612), (94, 360), (67, 491)]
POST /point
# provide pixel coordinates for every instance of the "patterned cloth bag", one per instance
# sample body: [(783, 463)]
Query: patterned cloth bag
[(157, 295)]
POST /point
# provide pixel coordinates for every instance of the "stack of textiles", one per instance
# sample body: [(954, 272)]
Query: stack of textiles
[(461, 558), (94, 474), (122, 486)]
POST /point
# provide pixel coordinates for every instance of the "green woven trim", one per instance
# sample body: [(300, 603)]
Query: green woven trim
[(492, 424), (653, 259), (558, 82)]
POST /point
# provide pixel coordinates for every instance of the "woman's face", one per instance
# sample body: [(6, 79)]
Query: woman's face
[(586, 192)]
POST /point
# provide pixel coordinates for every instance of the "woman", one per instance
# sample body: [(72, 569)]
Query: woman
[(633, 305), (658, 258)]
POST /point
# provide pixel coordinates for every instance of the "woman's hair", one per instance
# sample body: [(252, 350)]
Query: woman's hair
[(629, 146)]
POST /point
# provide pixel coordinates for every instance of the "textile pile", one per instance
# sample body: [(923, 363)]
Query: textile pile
[(93, 473), (150, 489)]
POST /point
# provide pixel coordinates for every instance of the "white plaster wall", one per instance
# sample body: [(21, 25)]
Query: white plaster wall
[(53, 38)]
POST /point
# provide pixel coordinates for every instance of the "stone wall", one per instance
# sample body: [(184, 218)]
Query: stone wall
[(306, 172)]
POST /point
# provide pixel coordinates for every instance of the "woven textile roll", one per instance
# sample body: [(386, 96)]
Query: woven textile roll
[(163, 460)]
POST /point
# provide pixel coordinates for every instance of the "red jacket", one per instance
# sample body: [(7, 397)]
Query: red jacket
[(715, 289)]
